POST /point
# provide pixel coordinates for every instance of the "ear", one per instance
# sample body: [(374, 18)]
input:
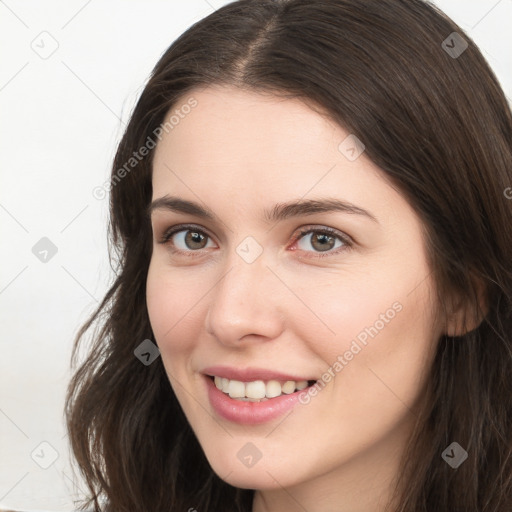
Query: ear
[(466, 313)]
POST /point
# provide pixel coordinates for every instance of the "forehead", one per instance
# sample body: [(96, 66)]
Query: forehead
[(238, 133), (247, 149), (227, 123)]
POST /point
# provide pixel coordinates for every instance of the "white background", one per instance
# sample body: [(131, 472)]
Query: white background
[(62, 117)]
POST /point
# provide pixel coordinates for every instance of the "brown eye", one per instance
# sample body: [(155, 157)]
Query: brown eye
[(324, 240), (195, 240), (186, 239)]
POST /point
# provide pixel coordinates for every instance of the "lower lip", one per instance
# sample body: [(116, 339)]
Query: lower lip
[(250, 413)]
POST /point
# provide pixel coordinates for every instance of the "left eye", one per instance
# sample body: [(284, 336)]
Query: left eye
[(321, 241)]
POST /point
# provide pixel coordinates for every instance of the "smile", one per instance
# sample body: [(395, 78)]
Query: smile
[(251, 410), (258, 390)]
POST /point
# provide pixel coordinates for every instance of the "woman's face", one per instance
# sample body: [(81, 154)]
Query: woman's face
[(260, 285)]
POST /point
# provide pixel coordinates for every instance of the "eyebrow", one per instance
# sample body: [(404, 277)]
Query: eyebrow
[(279, 212)]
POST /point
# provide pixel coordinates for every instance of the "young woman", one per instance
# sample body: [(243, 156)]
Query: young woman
[(311, 208)]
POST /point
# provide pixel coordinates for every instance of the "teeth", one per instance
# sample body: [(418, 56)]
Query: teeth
[(257, 390), (236, 389), (289, 386), (245, 399), (273, 389)]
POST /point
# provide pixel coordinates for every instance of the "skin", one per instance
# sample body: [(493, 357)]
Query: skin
[(294, 309)]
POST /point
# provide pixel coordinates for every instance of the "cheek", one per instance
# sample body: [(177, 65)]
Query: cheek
[(171, 310), (345, 308), (386, 360), (380, 331)]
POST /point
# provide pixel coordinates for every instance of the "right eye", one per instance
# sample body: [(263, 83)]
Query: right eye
[(186, 239)]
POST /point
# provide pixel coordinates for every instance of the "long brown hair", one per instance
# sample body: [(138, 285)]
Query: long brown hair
[(433, 117)]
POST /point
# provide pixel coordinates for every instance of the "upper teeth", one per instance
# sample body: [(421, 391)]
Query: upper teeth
[(258, 389)]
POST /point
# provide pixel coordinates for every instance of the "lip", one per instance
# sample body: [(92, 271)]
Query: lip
[(249, 413), (251, 374)]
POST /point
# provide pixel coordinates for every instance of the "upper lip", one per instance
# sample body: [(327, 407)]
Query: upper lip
[(251, 374)]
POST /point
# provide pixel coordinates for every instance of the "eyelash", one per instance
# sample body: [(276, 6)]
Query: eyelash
[(348, 243)]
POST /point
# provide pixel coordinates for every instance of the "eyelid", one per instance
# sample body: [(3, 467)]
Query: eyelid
[(180, 227), (348, 242)]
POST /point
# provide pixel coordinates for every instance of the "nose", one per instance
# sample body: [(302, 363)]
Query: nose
[(246, 304)]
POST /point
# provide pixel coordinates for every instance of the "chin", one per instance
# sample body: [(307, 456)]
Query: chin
[(263, 475)]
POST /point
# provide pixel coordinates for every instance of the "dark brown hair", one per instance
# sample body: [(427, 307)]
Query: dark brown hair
[(439, 127)]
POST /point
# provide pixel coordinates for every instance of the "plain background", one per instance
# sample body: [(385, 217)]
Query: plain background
[(69, 76)]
